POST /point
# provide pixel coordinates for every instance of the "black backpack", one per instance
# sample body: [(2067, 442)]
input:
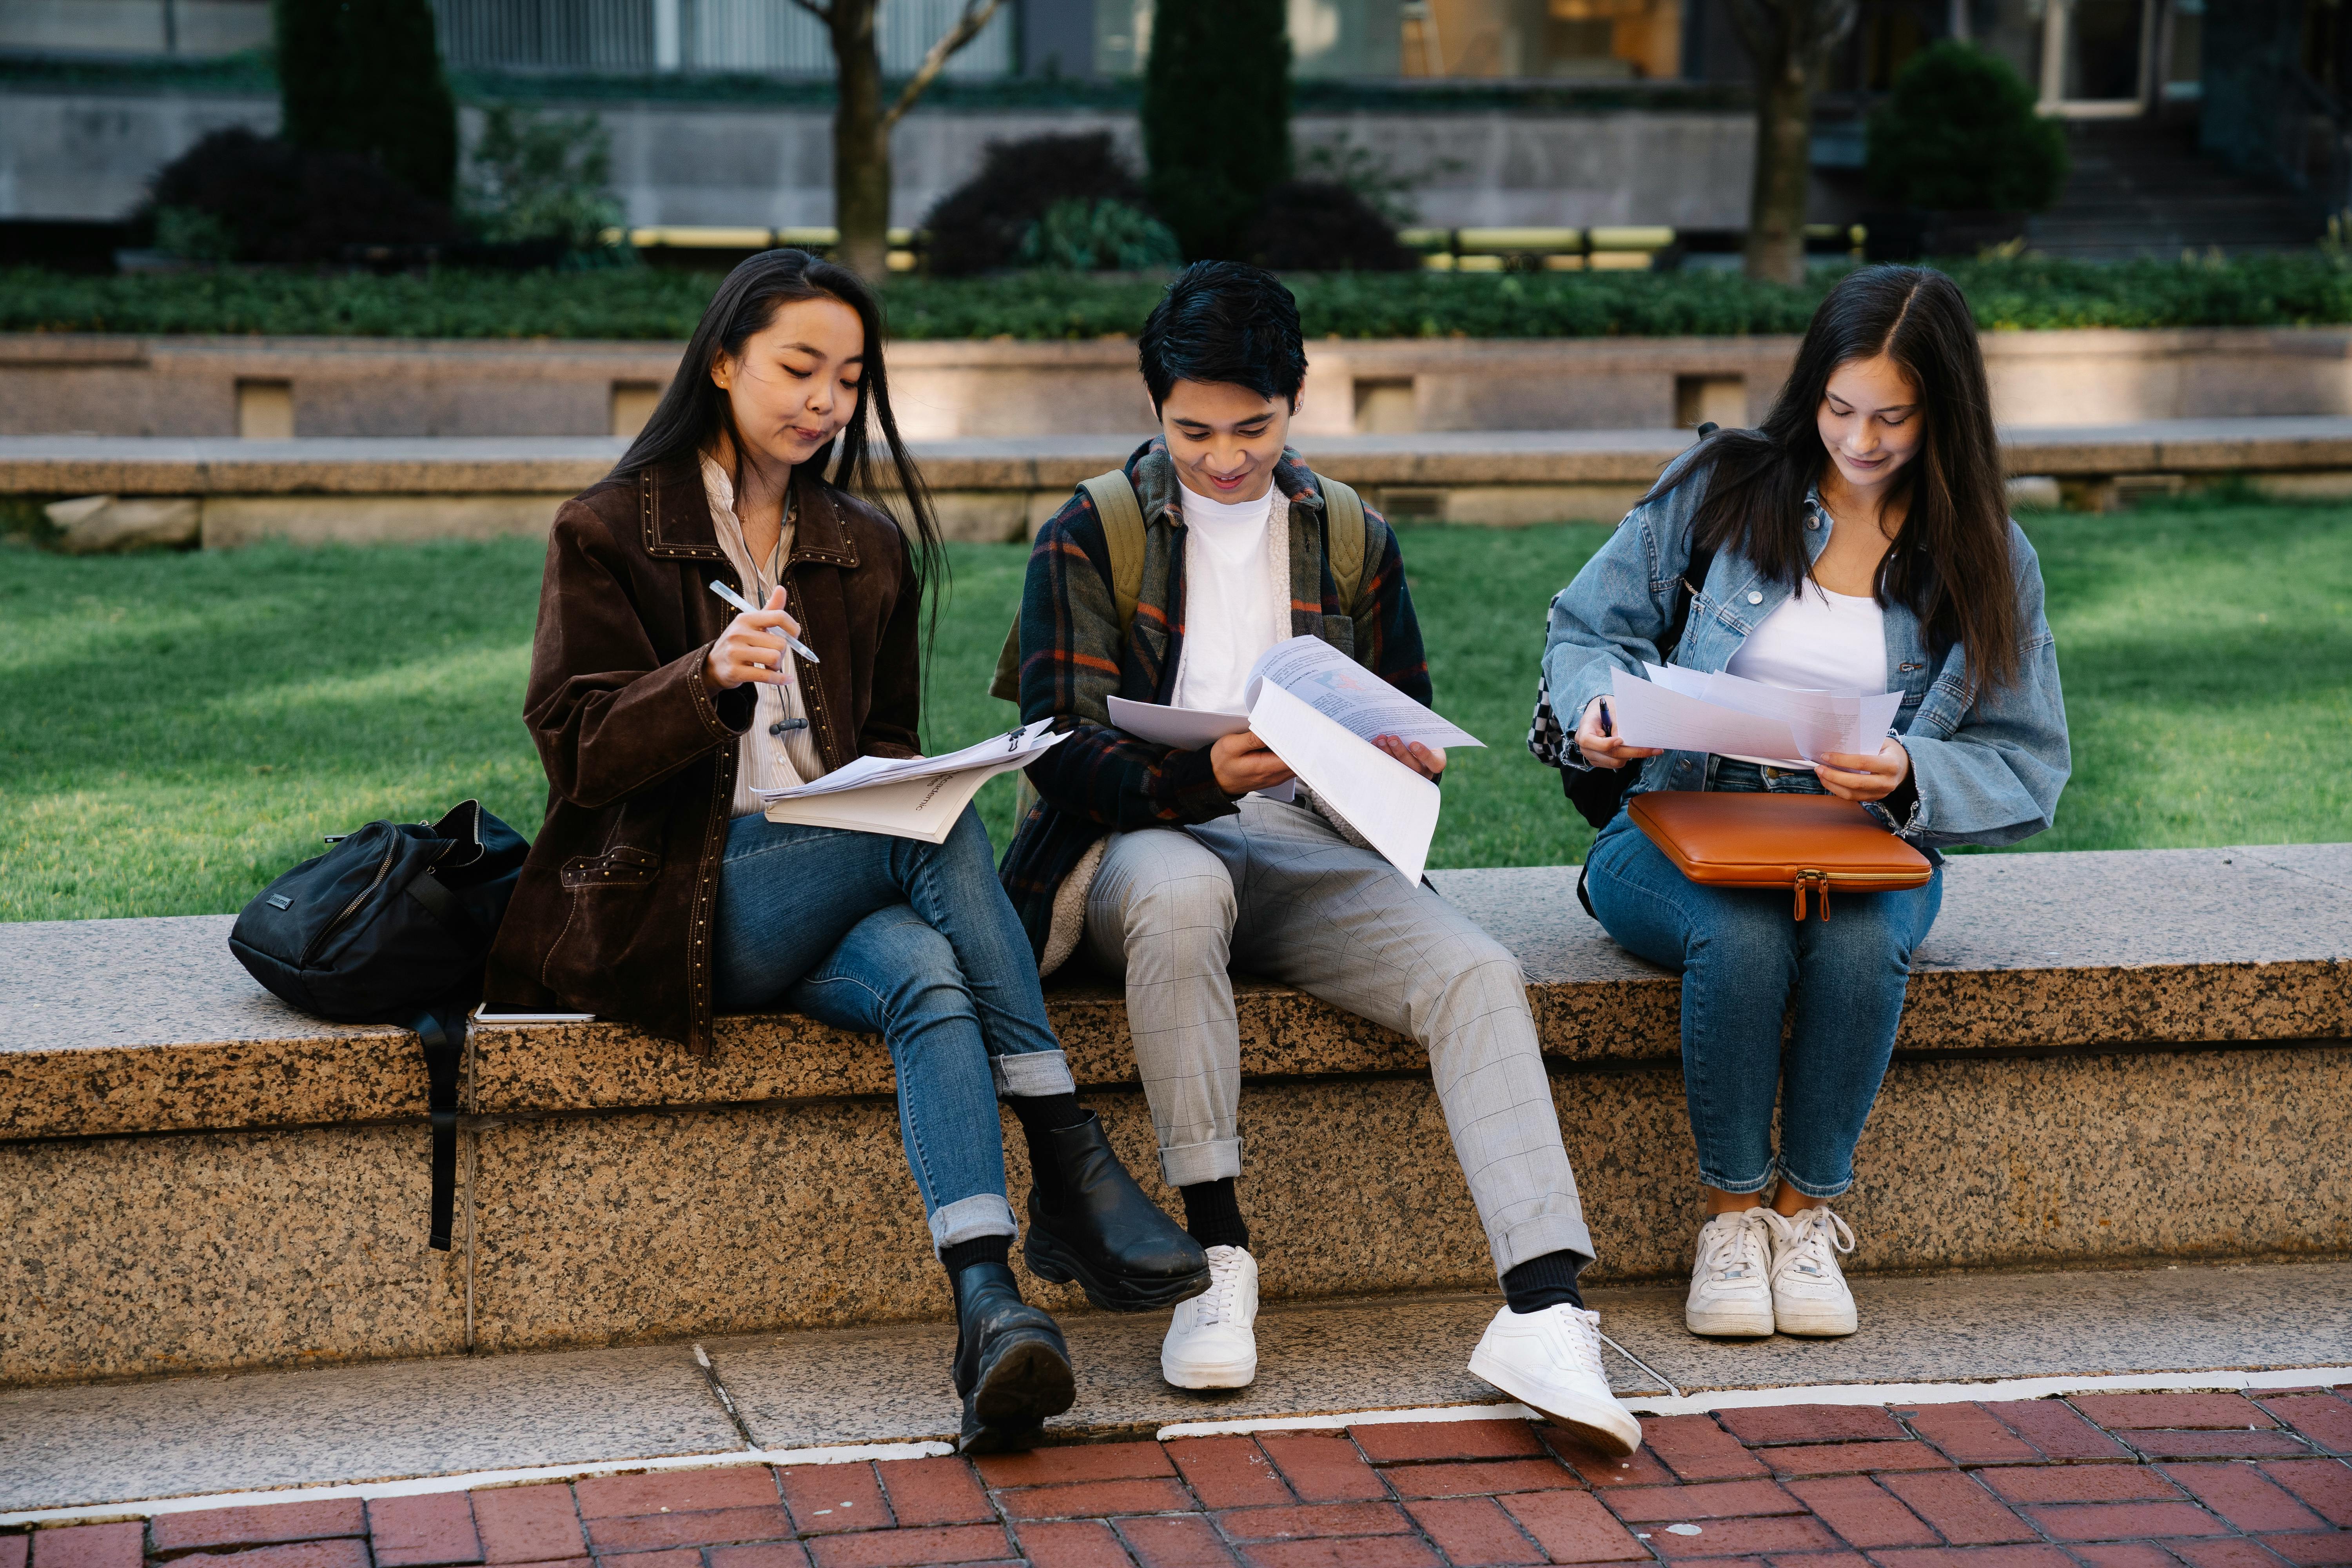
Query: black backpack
[(393, 925)]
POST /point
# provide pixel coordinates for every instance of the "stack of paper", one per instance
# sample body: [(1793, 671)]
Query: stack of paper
[(1681, 710), (916, 798), (1319, 710)]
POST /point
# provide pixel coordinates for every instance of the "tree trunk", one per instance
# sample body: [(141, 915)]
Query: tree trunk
[(861, 146), (1784, 133)]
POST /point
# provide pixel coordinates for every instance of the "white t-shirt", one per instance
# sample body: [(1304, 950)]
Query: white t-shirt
[(1236, 596), (1817, 641)]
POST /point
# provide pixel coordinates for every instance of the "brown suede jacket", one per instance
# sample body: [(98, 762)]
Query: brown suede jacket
[(614, 912)]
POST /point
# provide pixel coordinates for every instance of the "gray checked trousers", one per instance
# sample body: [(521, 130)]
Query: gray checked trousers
[(1278, 884)]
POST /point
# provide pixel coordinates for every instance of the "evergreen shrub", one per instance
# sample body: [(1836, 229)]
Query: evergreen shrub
[(1959, 132), (363, 77), (1216, 119), (2306, 288)]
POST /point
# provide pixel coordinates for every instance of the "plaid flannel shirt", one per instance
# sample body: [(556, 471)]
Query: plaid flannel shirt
[(1102, 780)]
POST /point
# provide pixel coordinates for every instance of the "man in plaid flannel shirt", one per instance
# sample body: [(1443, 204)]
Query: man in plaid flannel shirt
[(1159, 863)]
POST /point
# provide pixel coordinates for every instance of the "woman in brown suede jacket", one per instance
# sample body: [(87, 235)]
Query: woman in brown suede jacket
[(659, 892)]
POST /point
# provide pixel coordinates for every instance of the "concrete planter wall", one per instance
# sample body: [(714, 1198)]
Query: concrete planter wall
[(279, 387)]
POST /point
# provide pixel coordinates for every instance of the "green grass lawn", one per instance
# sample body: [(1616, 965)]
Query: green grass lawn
[(176, 730)]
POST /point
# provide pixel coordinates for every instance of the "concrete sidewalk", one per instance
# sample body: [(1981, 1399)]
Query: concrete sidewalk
[(2149, 1480), (456, 1423)]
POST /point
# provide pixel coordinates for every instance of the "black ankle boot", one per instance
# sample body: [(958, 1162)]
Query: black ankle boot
[(1106, 1234), (1012, 1366)]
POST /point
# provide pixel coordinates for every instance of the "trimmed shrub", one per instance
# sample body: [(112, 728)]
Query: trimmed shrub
[(363, 77), (1216, 119), (1959, 133), (1098, 236), (238, 196), (982, 225), (2032, 292), (1322, 226)]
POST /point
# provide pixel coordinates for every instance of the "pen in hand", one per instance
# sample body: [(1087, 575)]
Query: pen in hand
[(1607, 729), (736, 599)]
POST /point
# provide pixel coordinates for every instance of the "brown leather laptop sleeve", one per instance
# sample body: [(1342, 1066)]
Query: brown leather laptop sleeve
[(1800, 841)]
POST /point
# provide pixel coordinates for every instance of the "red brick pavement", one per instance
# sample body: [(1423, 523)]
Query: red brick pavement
[(2170, 1480)]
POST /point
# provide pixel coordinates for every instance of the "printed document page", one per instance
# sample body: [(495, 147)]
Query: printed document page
[(1350, 695), (912, 798), (1014, 748), (1392, 806), (1696, 709), (925, 807)]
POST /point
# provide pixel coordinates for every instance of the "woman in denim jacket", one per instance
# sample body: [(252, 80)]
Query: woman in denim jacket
[(1858, 539)]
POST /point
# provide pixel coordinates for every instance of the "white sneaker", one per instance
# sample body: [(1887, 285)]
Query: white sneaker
[(1731, 1282), (1550, 1362), (1809, 1291), (1213, 1340)]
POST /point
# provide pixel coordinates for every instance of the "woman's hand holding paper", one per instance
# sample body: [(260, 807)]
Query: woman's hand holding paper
[(1602, 749), (1851, 777)]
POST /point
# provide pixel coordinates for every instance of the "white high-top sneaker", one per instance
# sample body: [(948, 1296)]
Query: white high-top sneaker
[(1550, 1362), (1731, 1285), (1212, 1339), (1809, 1290)]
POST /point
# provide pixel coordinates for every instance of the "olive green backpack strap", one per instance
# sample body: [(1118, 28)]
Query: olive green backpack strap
[(1122, 524), (1343, 518)]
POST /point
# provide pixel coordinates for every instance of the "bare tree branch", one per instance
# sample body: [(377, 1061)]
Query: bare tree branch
[(1752, 20), (977, 14), (822, 13)]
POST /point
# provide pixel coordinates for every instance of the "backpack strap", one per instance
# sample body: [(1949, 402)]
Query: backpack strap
[(1343, 521), (1123, 523), (1122, 520), (442, 1032)]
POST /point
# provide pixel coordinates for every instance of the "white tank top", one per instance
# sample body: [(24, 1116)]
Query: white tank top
[(1818, 641)]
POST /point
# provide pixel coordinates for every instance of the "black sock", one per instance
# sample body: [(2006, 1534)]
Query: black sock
[(1041, 1115), (1213, 1214), (961, 1256), (1544, 1282)]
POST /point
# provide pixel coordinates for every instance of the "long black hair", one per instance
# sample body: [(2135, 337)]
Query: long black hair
[(1950, 560), (695, 410)]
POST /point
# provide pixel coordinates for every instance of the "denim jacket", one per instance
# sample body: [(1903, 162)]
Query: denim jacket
[(1987, 766)]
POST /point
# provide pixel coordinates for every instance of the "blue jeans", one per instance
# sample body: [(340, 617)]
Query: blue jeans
[(914, 942), (1741, 957)]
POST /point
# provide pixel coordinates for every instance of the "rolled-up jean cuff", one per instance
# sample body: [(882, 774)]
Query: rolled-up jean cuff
[(1188, 1164), (1026, 1073), (969, 1219), (1814, 1190), (1722, 1185), (1537, 1237)]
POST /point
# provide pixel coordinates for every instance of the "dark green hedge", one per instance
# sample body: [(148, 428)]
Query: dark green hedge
[(646, 302)]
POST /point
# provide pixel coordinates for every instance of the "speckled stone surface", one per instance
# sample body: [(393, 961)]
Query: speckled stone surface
[(624, 1192), (179, 1253), (607, 1228), (2031, 951), (61, 1448)]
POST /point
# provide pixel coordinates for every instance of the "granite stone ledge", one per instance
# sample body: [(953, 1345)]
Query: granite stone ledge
[(2222, 947)]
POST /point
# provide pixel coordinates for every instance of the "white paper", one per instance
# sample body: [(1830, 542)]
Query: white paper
[(1015, 749), (911, 797), (1350, 695), (926, 807), (1392, 806), (1646, 713), (1187, 728), (1817, 723)]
